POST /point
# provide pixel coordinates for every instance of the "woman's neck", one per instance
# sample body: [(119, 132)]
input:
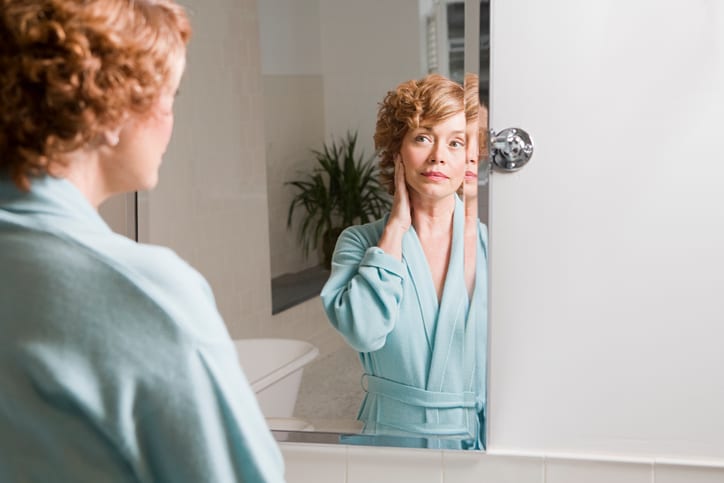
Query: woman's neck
[(81, 169), (432, 217)]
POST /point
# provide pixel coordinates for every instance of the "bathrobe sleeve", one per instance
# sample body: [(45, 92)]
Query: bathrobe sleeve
[(198, 419), (206, 425), (363, 294)]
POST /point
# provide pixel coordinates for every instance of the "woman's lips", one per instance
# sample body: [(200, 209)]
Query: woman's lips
[(470, 175), (435, 175)]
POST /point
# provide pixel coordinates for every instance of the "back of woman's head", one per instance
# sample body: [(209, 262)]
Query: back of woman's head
[(71, 70), (426, 101)]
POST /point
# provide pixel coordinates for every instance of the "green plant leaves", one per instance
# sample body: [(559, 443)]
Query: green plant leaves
[(342, 190)]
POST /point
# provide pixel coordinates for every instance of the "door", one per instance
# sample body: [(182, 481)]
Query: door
[(607, 263)]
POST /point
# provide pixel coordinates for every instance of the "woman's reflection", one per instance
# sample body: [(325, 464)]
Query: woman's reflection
[(398, 293)]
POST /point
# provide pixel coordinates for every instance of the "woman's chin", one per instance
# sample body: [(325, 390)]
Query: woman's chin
[(438, 195), (148, 183)]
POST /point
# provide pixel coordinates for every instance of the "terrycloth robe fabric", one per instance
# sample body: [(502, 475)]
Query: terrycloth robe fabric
[(115, 365), (424, 362)]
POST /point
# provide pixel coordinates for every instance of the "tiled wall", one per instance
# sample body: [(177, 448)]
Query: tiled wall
[(310, 463), (211, 204)]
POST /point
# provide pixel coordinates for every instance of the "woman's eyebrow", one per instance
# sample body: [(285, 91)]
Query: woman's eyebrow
[(428, 129)]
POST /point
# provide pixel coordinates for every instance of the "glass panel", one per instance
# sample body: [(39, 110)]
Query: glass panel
[(328, 94)]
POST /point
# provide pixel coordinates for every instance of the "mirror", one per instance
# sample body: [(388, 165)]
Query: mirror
[(326, 66)]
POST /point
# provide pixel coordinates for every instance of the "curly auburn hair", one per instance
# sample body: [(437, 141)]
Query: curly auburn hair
[(476, 111), (432, 99), (71, 70)]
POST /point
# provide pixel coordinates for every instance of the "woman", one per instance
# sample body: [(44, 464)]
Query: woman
[(397, 292), (114, 362)]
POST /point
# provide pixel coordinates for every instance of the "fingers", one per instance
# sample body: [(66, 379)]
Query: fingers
[(400, 212), (400, 183)]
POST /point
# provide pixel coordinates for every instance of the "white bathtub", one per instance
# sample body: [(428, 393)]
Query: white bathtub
[(274, 370)]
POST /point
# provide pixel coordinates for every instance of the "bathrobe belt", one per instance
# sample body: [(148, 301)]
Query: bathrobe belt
[(415, 396)]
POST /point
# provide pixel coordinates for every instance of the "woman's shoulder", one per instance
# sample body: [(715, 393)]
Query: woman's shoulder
[(153, 278), (367, 234), (161, 275)]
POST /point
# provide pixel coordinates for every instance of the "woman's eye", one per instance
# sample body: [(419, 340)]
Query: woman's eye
[(457, 144), (422, 139)]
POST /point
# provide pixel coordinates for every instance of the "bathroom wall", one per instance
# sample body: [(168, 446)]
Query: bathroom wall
[(311, 463), (325, 65), (119, 213), (294, 124), (293, 87), (367, 49), (605, 360), (211, 203)]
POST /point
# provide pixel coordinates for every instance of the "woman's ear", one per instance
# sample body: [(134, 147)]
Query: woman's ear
[(112, 137)]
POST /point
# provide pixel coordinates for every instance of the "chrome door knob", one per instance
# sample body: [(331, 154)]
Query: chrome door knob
[(510, 149)]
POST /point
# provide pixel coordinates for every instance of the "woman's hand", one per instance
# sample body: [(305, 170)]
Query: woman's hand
[(401, 212), (400, 215)]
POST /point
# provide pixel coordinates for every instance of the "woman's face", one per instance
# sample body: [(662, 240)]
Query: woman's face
[(143, 140), (434, 157), (472, 149)]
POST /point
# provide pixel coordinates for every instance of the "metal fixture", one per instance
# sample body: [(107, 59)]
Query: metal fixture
[(510, 149)]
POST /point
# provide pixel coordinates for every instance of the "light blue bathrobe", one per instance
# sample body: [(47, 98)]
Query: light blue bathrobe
[(424, 362), (115, 365)]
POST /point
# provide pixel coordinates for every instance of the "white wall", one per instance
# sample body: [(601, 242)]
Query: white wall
[(293, 87), (119, 212), (606, 250), (367, 49), (293, 126), (325, 65), (210, 205), (289, 37)]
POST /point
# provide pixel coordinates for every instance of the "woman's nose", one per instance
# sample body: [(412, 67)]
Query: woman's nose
[(472, 151), (438, 154)]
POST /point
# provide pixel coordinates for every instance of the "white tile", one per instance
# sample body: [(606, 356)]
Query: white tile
[(669, 473), (587, 471), (393, 465), (474, 467), (314, 463)]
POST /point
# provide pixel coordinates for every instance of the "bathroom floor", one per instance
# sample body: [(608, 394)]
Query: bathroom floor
[(330, 392)]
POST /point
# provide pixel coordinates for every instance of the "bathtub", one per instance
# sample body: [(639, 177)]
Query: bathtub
[(274, 369)]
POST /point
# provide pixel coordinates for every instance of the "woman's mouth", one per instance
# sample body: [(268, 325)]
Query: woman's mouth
[(435, 176)]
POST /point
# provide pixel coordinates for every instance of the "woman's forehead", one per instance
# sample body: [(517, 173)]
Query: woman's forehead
[(456, 120)]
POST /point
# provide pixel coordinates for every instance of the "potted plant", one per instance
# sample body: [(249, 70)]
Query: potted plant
[(342, 190)]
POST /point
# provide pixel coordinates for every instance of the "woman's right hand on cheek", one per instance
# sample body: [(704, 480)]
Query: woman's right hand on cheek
[(400, 217), (400, 213)]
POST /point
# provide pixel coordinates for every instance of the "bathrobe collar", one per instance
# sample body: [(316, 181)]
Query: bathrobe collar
[(441, 323), (51, 200)]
